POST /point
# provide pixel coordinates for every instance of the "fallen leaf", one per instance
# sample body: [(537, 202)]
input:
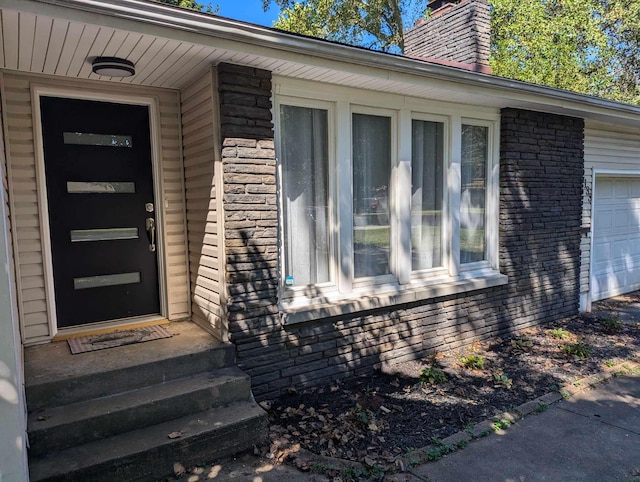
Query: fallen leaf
[(178, 469)]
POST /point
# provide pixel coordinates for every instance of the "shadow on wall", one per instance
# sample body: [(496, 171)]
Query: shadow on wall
[(540, 215)]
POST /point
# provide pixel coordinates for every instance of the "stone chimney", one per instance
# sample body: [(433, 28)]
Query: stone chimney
[(456, 32)]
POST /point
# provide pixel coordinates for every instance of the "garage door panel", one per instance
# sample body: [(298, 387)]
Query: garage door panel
[(615, 265), (601, 251), (604, 189), (604, 220), (619, 251), (621, 219), (621, 189)]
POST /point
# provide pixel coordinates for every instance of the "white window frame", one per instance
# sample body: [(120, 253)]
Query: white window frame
[(330, 287), (344, 294), (492, 174), (423, 275), (391, 278)]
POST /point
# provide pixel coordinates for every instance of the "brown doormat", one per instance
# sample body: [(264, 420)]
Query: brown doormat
[(84, 344)]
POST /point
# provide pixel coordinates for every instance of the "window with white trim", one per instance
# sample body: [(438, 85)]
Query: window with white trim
[(380, 202)]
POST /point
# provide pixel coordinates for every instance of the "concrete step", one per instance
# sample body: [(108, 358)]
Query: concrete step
[(149, 453), (52, 381), (79, 423)]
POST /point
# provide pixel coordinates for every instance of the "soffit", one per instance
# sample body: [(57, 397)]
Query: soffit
[(43, 44), (48, 37)]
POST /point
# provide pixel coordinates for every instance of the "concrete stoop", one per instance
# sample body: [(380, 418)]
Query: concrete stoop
[(130, 413)]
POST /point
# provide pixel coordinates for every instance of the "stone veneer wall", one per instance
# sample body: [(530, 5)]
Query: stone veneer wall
[(461, 34), (540, 213)]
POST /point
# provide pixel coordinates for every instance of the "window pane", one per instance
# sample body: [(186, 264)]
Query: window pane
[(87, 139), (100, 187), (475, 141), (426, 194), (305, 162), (81, 235), (105, 280), (371, 173)]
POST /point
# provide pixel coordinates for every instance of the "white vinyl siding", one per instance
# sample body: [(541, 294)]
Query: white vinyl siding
[(32, 293), (202, 206), (609, 150)]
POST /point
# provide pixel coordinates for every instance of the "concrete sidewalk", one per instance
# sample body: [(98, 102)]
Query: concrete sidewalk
[(594, 436)]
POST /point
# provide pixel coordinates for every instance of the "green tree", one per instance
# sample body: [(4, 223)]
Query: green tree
[(587, 46), (192, 5), (375, 24), (621, 22)]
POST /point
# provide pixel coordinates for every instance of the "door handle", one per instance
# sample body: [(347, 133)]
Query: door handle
[(151, 231)]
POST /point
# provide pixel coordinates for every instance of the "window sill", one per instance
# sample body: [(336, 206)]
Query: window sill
[(315, 309)]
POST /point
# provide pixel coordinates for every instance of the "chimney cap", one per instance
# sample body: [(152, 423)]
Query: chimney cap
[(436, 4)]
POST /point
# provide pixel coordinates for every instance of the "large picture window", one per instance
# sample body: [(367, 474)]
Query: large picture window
[(381, 202)]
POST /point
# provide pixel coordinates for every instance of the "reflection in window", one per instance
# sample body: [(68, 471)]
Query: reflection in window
[(105, 280), (75, 187), (305, 167), (86, 139), (371, 174), (475, 141), (427, 157), (81, 235)]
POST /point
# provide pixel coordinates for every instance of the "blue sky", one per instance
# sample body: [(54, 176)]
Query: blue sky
[(247, 10)]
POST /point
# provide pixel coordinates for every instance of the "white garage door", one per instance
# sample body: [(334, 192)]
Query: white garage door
[(615, 265)]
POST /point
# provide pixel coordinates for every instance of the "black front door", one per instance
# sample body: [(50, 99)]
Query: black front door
[(101, 210)]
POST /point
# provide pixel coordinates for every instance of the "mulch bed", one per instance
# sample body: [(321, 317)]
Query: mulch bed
[(375, 419)]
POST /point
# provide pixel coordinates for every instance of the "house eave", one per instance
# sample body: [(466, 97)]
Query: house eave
[(500, 92)]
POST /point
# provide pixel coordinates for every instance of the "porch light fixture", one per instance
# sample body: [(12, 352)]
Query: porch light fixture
[(113, 67)]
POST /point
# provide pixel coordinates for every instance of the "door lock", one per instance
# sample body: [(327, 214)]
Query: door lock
[(150, 225)]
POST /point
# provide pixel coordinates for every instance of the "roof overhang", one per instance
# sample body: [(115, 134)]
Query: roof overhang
[(170, 46)]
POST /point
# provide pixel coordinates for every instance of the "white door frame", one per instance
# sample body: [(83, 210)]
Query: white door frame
[(39, 90)]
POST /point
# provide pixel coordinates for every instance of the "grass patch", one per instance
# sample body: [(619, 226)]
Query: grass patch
[(433, 375), (522, 344), (611, 324), (559, 333), (502, 380), (436, 453), (380, 237), (500, 424), (577, 350), (541, 408), (475, 362)]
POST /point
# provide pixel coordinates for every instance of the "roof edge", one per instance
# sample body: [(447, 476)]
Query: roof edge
[(235, 30)]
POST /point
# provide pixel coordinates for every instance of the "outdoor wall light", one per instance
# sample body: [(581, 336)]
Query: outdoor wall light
[(113, 67)]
